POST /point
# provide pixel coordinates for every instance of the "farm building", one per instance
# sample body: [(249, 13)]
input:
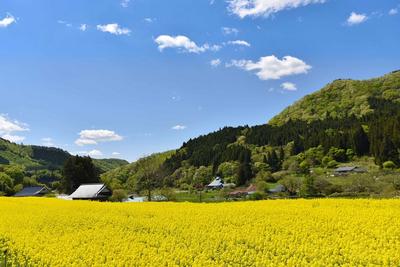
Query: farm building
[(251, 189), (217, 183), (32, 191), (91, 192), (349, 169)]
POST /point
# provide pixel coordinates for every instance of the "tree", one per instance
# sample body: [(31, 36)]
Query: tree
[(228, 171), (16, 172), (202, 176), (118, 195), (292, 184), (273, 161), (360, 141), (149, 177), (78, 170), (308, 187), (6, 183), (244, 172)]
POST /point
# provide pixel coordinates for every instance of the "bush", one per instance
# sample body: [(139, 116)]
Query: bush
[(262, 186), (168, 193), (332, 164), (118, 195), (389, 165), (304, 167), (257, 196)]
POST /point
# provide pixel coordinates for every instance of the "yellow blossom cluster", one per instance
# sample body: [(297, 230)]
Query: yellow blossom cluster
[(321, 232)]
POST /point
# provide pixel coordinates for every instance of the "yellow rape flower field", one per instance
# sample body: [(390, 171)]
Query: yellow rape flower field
[(326, 232)]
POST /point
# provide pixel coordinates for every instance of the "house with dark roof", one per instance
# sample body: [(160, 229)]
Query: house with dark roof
[(349, 169), (251, 189), (32, 191), (91, 192)]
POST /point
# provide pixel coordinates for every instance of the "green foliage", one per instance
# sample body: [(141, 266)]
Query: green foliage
[(332, 164), (126, 176), (341, 99), (148, 176), (105, 165), (292, 184), (308, 188), (257, 196), (78, 170), (202, 176), (304, 167), (389, 165), (6, 183), (118, 195), (228, 171)]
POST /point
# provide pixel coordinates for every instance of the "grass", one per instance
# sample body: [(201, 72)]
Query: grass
[(206, 196)]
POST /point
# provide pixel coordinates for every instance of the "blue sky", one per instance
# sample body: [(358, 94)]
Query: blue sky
[(124, 79)]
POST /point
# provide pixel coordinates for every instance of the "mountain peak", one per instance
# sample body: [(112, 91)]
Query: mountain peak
[(342, 98)]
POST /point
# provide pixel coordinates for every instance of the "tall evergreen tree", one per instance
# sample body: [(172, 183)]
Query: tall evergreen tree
[(244, 170), (78, 170), (360, 141)]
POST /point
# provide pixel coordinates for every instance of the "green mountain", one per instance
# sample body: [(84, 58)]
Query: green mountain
[(341, 99), (45, 158), (344, 123)]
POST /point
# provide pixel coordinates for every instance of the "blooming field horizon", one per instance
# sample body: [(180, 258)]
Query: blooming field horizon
[(320, 232)]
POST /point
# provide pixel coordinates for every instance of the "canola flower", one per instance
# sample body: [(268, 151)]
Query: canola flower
[(322, 232)]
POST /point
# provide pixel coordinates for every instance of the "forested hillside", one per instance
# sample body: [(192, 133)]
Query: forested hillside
[(25, 165), (343, 98)]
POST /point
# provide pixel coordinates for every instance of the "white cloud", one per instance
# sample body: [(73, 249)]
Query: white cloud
[(215, 62), (7, 21), (179, 127), (393, 11), (271, 67), (289, 86), (228, 31), (239, 42), (355, 19), (93, 137), (95, 153), (183, 43), (14, 138), (47, 141), (255, 8), (114, 28), (115, 153), (8, 126), (63, 22), (149, 20), (83, 27), (125, 3)]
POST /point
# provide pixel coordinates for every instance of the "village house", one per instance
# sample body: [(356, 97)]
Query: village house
[(348, 169), (91, 192), (217, 183), (251, 189), (32, 191)]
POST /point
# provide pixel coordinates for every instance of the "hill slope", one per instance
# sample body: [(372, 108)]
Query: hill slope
[(341, 99), (41, 158)]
